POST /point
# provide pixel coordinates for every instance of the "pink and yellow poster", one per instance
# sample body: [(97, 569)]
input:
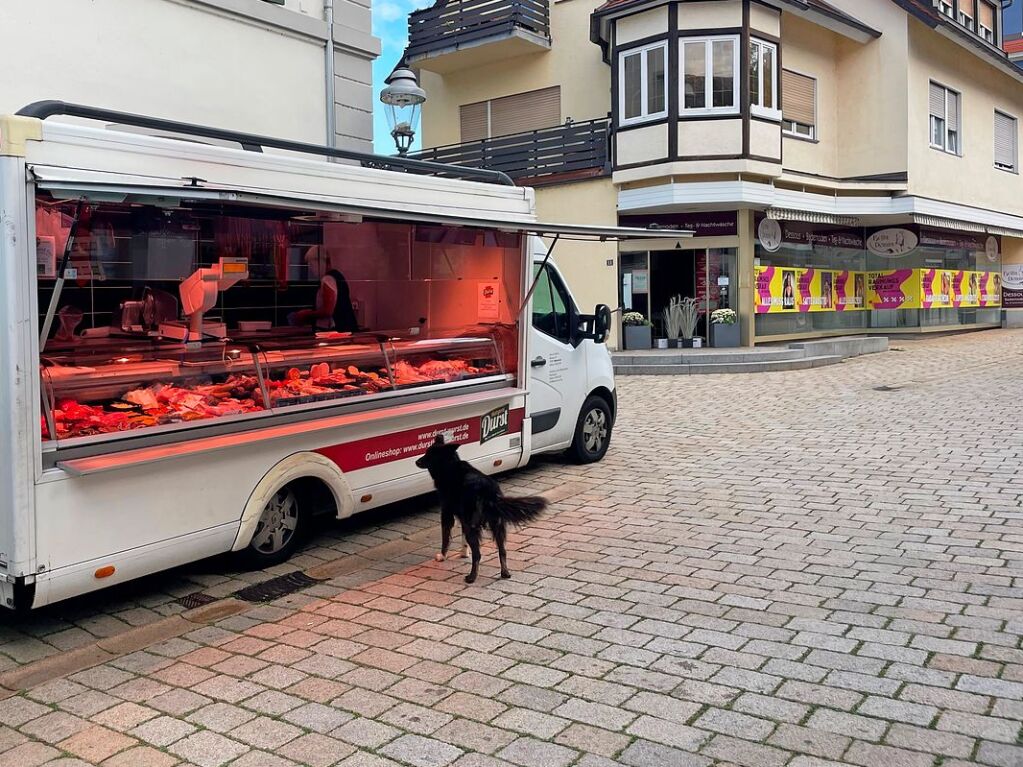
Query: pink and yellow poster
[(850, 291), (936, 288), (776, 289), (893, 289), (990, 289)]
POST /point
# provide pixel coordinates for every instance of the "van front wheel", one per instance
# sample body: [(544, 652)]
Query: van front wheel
[(592, 431)]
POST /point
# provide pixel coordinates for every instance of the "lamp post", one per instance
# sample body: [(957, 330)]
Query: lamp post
[(402, 96)]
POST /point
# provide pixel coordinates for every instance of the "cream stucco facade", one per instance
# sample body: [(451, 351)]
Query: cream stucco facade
[(868, 163), (234, 64)]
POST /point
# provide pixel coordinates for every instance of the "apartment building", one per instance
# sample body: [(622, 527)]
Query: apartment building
[(845, 166), (297, 69)]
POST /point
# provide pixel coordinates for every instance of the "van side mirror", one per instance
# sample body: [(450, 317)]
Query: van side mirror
[(594, 327)]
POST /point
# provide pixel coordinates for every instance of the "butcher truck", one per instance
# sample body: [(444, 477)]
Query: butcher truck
[(159, 402)]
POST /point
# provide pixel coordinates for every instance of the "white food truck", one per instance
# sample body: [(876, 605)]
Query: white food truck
[(176, 378)]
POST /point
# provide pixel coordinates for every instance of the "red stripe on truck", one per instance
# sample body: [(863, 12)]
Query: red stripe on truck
[(412, 443)]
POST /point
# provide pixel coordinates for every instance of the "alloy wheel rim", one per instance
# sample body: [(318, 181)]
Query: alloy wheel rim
[(277, 523), (594, 430)]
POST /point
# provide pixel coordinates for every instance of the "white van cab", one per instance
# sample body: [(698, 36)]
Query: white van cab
[(572, 400)]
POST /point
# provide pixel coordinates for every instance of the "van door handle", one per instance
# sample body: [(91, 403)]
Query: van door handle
[(539, 362)]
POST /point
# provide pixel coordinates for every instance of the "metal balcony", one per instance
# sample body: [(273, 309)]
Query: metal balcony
[(566, 152), (452, 35)]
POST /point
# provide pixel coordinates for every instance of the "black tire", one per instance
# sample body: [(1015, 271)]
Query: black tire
[(592, 431), (279, 533)]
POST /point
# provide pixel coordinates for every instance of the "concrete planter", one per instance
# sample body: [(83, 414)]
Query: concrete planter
[(638, 337), (724, 336)]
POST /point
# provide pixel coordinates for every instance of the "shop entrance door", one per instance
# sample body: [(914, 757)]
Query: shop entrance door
[(703, 274)]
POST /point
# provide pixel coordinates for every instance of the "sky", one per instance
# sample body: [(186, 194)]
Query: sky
[(390, 24)]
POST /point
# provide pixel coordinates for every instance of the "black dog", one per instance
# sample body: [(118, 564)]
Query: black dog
[(475, 500)]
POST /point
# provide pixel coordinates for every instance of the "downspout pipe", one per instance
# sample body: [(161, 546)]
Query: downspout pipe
[(328, 16)]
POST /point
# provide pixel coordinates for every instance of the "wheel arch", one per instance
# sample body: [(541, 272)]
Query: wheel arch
[(609, 397), (310, 469)]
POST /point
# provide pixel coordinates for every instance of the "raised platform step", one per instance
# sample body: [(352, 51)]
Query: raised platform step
[(715, 367), (846, 346), (704, 356)]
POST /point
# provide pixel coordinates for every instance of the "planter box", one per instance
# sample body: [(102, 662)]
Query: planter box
[(639, 337), (724, 336)]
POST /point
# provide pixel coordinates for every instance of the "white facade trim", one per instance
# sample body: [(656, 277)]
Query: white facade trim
[(748, 194)]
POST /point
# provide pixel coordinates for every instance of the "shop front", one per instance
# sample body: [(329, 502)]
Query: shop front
[(789, 279), (703, 268), (819, 280)]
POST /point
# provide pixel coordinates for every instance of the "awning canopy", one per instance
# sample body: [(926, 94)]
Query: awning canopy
[(99, 186)]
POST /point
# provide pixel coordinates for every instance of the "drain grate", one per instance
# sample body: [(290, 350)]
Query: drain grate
[(275, 588), (198, 599)]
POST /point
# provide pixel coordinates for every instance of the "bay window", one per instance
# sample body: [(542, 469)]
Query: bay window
[(763, 79), (709, 75), (643, 86)]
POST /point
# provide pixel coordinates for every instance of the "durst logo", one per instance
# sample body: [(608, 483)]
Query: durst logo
[(494, 424)]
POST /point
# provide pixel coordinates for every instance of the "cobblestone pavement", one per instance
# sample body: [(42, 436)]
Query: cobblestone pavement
[(805, 569)]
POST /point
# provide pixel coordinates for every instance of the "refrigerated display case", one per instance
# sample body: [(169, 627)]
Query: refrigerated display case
[(94, 397)]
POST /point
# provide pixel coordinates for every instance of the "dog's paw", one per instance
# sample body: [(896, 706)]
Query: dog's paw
[(438, 557), (470, 578), (505, 574)]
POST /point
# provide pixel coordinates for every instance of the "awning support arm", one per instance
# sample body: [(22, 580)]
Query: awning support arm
[(536, 278), (58, 286)]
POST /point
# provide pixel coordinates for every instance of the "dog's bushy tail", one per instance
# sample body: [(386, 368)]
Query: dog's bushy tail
[(520, 511)]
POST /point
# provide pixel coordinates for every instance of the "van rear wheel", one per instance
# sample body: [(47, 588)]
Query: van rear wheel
[(592, 431), (278, 532)]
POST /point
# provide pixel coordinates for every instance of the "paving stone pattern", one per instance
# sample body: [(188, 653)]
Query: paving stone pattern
[(781, 569)]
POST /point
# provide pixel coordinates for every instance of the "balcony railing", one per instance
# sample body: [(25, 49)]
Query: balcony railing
[(451, 25), (578, 149)]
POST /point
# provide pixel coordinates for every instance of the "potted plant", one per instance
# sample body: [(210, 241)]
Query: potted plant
[(689, 310), (724, 328), (638, 331), (673, 321)]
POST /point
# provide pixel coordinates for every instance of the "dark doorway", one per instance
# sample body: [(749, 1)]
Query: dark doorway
[(672, 273)]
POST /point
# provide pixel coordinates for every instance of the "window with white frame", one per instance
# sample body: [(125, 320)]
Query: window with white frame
[(968, 14), (945, 119), (763, 78), (945, 7), (798, 104), (643, 86), (1006, 142), (709, 75)]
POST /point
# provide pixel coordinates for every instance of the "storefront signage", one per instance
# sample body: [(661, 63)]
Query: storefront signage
[(702, 224), (991, 249), (952, 240), (770, 234), (1012, 286), (781, 289), (892, 243)]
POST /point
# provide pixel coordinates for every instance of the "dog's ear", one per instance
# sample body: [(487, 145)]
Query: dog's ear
[(439, 439)]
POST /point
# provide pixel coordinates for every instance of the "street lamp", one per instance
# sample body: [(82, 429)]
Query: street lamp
[(402, 97)]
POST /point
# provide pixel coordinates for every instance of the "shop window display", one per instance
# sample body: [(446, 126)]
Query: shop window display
[(899, 278)]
